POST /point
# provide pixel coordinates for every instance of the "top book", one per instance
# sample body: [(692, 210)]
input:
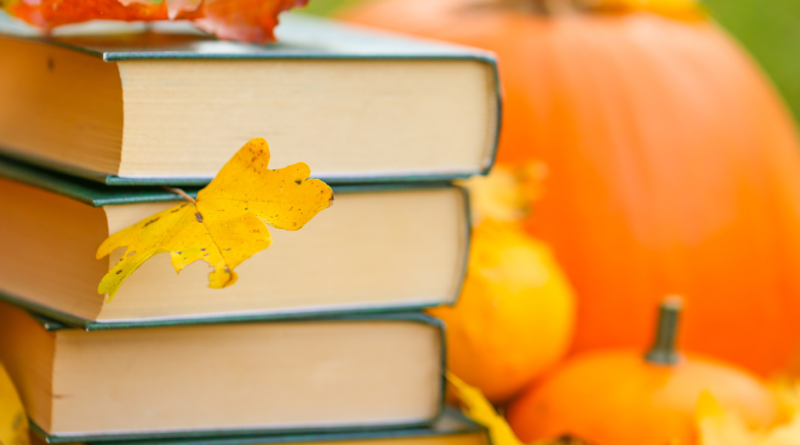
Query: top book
[(164, 104)]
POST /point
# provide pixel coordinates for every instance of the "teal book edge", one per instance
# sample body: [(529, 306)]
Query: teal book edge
[(305, 37), (97, 195), (452, 422), (276, 434)]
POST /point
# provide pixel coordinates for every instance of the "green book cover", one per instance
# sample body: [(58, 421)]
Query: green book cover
[(300, 37)]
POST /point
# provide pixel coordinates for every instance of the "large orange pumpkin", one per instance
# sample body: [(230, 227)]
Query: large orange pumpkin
[(673, 167), (622, 397)]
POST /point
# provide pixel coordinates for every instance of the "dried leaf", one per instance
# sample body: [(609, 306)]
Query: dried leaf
[(788, 434), (227, 222), (244, 20), (715, 426), (478, 408), (13, 421), (507, 192), (788, 395), (719, 427)]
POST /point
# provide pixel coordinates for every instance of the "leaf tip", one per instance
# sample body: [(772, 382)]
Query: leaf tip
[(103, 250), (107, 289), (222, 277)]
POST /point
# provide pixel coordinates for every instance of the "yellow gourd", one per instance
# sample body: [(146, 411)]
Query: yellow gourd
[(515, 315)]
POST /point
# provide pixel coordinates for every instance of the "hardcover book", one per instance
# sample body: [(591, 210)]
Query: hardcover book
[(166, 104), (378, 248), (314, 375)]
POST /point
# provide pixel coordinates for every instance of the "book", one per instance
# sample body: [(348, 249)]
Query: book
[(451, 428), (311, 375), (165, 104), (378, 248)]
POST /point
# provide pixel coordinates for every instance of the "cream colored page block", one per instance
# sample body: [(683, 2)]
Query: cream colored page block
[(48, 245), (245, 376), (367, 249), (339, 116), (64, 106)]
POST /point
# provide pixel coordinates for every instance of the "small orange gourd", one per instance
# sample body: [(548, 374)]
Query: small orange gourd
[(620, 397)]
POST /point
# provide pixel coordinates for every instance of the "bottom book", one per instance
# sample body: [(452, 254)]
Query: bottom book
[(230, 379), (452, 428)]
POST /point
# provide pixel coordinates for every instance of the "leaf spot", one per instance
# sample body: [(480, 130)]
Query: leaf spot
[(199, 217)]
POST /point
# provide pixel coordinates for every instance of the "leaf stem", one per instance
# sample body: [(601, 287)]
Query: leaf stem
[(178, 191)]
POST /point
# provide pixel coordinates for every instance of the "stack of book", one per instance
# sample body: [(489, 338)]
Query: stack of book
[(321, 338)]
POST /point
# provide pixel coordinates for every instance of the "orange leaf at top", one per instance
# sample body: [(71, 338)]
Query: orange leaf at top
[(243, 20)]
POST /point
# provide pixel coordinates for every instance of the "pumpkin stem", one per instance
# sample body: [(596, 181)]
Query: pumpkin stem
[(556, 7), (663, 351), (538, 7)]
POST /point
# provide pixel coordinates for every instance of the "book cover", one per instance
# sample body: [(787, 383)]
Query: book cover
[(99, 195), (301, 38), (16, 366)]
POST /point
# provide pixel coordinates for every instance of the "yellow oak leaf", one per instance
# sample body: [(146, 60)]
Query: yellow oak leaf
[(13, 421), (479, 409), (226, 224)]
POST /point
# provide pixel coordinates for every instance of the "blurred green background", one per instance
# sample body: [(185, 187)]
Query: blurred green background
[(769, 29)]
